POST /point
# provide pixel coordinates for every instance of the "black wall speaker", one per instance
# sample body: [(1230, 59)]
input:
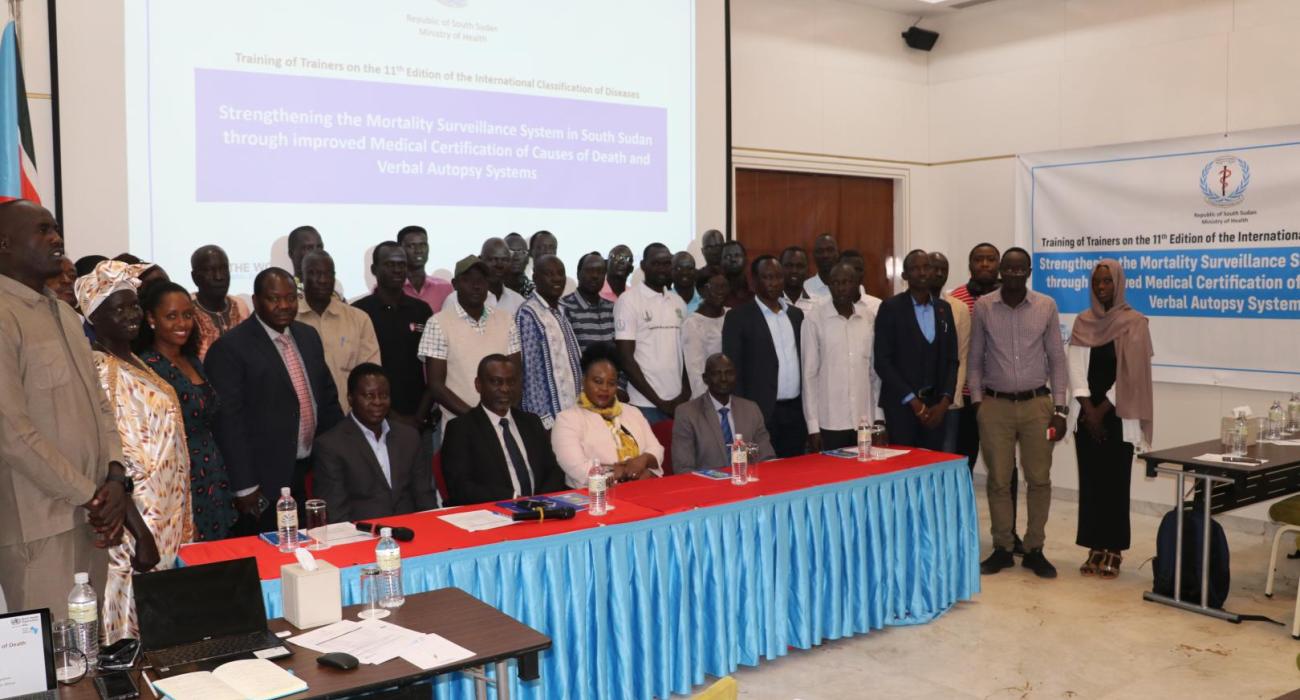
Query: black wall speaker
[(918, 38)]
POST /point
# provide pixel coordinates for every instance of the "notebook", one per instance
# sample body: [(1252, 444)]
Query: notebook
[(246, 679)]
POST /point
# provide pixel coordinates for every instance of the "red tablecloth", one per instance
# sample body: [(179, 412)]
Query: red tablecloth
[(634, 501)]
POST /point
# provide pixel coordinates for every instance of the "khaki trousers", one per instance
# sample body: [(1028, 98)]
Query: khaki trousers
[(1004, 425), (38, 574)]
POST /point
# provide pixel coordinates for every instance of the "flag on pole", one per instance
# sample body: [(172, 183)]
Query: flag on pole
[(17, 153)]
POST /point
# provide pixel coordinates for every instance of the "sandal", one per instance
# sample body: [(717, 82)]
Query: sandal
[(1109, 567), (1090, 567)]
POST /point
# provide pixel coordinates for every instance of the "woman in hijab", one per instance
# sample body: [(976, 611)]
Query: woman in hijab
[(153, 438), (1110, 375), (603, 428)]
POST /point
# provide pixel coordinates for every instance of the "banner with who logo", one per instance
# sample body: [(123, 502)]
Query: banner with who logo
[(1208, 231)]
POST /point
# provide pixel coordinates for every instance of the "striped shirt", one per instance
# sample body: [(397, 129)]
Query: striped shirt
[(592, 323), (967, 297), (1019, 348)]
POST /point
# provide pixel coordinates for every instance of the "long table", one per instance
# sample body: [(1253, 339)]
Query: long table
[(689, 577)]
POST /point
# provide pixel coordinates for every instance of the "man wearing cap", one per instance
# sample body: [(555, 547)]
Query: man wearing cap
[(458, 337)]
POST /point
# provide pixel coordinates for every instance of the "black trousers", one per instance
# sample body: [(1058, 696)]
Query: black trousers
[(906, 429), (248, 525), (836, 439), (787, 428), (968, 443), (1105, 469)]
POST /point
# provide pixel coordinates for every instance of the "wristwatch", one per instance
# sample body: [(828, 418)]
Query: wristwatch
[(1063, 411), (127, 484)]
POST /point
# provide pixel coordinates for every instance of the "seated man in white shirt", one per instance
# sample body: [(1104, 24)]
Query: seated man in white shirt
[(705, 427), (367, 466)]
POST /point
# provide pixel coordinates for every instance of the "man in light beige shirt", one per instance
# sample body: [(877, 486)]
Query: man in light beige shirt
[(61, 477), (345, 331)]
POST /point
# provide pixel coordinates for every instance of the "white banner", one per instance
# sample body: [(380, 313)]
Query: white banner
[(1208, 231)]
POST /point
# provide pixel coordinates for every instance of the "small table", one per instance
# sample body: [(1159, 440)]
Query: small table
[(492, 635), (1220, 488)]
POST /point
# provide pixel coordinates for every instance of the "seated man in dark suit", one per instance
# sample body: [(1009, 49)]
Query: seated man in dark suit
[(916, 358), (367, 466), (276, 394), (494, 452), (705, 427)]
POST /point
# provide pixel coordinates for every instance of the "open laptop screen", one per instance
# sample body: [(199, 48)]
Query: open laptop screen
[(26, 653), (192, 603)]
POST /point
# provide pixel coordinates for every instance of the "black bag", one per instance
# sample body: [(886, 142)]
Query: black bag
[(1193, 533)]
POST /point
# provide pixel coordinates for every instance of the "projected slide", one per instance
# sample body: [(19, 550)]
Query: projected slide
[(471, 118)]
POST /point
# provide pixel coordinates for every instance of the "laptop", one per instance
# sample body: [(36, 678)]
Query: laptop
[(194, 618), (27, 656)]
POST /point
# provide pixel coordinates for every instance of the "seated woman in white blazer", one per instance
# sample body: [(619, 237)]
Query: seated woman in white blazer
[(601, 427)]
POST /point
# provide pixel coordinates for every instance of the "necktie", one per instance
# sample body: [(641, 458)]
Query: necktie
[(516, 459), (306, 414), (727, 437)]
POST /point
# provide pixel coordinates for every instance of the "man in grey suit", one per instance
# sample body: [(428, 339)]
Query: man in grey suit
[(367, 466), (704, 427)]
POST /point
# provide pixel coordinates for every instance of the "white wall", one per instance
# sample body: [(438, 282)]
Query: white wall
[(1007, 77)]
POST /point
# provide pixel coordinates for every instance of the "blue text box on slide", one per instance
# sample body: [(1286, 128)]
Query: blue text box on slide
[(1254, 283)]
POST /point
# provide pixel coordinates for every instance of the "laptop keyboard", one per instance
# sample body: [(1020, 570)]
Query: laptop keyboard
[(211, 649)]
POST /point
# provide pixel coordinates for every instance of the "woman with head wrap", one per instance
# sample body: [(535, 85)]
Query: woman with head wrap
[(601, 427), (153, 440), (1110, 376)]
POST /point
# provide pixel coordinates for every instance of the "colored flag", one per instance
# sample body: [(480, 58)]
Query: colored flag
[(17, 152)]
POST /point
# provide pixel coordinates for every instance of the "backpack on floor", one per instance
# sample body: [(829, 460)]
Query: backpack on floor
[(1193, 533)]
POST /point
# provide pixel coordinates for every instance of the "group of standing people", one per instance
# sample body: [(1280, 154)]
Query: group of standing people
[(142, 416)]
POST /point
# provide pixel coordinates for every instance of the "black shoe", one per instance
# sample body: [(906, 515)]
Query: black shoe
[(1018, 548), (997, 561), (1036, 562)]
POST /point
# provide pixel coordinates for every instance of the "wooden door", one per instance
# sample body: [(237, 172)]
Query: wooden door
[(776, 208)]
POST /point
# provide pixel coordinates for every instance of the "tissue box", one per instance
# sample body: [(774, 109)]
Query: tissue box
[(1229, 424), (311, 598)]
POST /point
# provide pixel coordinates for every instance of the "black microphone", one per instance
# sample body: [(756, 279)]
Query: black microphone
[(401, 534)]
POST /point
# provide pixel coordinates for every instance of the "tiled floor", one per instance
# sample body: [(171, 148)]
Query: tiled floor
[(1072, 637)]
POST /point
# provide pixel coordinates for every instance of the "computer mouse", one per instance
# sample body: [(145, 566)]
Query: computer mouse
[(339, 660)]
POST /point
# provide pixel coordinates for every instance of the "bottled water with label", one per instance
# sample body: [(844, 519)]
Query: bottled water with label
[(1293, 413), (597, 488), (83, 610), (864, 439), (388, 555), (1276, 421), (286, 521), (739, 461)]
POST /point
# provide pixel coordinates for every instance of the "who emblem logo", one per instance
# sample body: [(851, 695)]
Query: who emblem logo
[(1224, 181)]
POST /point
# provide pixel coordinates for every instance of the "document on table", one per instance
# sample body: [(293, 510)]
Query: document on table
[(1230, 459), (371, 641), (1287, 442), (475, 520), (434, 651)]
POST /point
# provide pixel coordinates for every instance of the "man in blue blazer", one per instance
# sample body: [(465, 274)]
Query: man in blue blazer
[(916, 358), (761, 336), (276, 395)]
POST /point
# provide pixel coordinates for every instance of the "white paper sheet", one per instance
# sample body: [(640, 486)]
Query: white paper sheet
[(371, 641), (475, 520), (434, 651)]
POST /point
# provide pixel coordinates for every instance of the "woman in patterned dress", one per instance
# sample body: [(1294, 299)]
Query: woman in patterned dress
[(168, 343), (153, 438)]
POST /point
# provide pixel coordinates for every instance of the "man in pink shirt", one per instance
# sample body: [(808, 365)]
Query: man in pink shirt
[(431, 290)]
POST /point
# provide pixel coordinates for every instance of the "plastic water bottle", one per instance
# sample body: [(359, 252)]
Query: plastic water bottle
[(83, 610), (286, 521), (597, 488), (1276, 421), (739, 461), (1240, 434), (864, 439), (388, 555), (1293, 413)]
